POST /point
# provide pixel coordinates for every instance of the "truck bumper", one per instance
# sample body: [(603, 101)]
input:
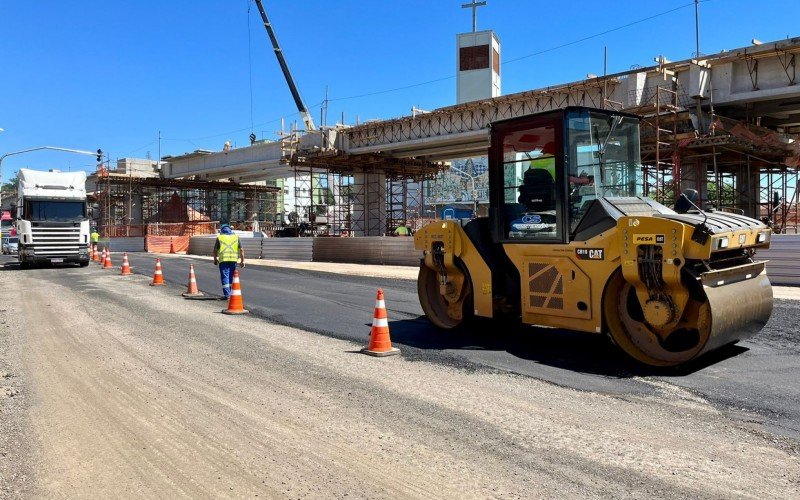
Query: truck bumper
[(29, 256)]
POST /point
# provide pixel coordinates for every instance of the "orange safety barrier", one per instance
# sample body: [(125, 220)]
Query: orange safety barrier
[(163, 244)]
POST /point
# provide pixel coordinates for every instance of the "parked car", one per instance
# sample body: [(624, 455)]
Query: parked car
[(9, 245)]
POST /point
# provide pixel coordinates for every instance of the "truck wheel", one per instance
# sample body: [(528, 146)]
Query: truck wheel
[(25, 265), (84, 264)]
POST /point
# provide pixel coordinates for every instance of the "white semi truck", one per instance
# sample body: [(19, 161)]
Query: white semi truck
[(52, 221)]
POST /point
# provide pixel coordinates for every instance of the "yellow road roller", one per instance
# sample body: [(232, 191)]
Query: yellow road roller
[(571, 243)]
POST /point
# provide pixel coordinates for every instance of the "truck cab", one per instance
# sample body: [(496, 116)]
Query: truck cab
[(52, 221)]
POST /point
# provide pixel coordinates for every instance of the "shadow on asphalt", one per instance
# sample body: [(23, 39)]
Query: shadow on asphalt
[(579, 352)]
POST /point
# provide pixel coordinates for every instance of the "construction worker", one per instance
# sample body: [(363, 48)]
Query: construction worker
[(227, 251), (402, 230), (95, 236)]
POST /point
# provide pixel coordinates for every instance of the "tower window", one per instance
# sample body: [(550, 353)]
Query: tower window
[(474, 57)]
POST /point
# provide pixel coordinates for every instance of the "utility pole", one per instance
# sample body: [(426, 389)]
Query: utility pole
[(697, 27)]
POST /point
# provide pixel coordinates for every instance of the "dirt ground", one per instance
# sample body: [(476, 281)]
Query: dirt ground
[(119, 389)]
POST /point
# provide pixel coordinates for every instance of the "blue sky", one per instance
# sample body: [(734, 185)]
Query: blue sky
[(112, 73)]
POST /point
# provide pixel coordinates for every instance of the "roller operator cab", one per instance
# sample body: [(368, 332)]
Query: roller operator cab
[(570, 242)]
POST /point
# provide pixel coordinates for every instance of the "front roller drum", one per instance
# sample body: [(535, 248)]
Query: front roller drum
[(724, 307), (441, 312)]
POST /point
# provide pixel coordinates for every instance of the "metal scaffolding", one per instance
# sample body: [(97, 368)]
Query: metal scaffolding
[(138, 206)]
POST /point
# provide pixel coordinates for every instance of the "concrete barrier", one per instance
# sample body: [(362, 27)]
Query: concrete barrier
[(296, 249), (127, 244), (397, 251), (783, 255)]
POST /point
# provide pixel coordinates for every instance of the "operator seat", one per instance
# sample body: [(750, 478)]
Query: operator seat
[(536, 191)]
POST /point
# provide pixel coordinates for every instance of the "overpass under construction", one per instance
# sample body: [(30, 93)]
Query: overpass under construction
[(725, 124)]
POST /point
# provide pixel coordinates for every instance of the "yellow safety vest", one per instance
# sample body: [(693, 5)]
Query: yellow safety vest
[(228, 248), (95, 237)]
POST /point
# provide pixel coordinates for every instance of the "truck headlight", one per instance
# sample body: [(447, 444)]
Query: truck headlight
[(762, 237), (722, 243)]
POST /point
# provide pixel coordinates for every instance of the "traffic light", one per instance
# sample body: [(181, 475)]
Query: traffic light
[(99, 156)]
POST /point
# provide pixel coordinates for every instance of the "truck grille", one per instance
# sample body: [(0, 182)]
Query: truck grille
[(56, 241)]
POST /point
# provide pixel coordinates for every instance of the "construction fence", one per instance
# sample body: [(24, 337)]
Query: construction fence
[(367, 250), (783, 256)]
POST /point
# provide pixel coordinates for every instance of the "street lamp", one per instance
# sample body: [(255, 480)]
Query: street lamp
[(474, 191), (51, 148)]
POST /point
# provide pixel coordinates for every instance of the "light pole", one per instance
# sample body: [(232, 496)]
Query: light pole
[(474, 191), (51, 148)]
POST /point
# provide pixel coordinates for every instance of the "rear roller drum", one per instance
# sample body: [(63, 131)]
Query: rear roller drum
[(441, 312)]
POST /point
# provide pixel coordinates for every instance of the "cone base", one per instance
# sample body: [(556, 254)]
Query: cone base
[(380, 354), (126, 274), (157, 284), (189, 295), (228, 311)]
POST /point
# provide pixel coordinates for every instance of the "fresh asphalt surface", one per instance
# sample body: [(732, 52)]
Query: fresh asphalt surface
[(755, 381)]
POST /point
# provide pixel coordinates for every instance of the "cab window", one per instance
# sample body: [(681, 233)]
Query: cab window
[(603, 152), (529, 204)]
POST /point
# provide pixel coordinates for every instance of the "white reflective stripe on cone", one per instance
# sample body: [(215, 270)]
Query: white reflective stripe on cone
[(236, 292), (380, 304), (380, 322)]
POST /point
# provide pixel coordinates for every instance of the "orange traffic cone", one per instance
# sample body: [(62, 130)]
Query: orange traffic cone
[(192, 290), (107, 262), (171, 246), (95, 254), (380, 343), (158, 276), (126, 266), (102, 258), (235, 302)]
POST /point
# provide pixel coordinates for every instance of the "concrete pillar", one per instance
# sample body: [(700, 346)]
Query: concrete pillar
[(133, 209), (369, 204)]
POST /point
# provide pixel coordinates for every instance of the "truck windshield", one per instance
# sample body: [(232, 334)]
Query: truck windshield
[(59, 211)]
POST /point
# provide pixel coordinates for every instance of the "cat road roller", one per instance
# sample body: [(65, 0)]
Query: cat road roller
[(570, 242)]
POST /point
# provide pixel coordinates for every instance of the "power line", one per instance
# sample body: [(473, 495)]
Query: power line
[(612, 30), (551, 49)]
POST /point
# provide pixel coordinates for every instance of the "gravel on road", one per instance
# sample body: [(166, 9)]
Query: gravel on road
[(133, 391)]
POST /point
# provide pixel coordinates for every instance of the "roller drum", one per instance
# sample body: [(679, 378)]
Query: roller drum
[(739, 309)]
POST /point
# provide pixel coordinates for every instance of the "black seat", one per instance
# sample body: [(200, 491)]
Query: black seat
[(536, 191)]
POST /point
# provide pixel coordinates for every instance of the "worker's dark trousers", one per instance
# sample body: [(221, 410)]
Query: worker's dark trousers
[(226, 275)]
